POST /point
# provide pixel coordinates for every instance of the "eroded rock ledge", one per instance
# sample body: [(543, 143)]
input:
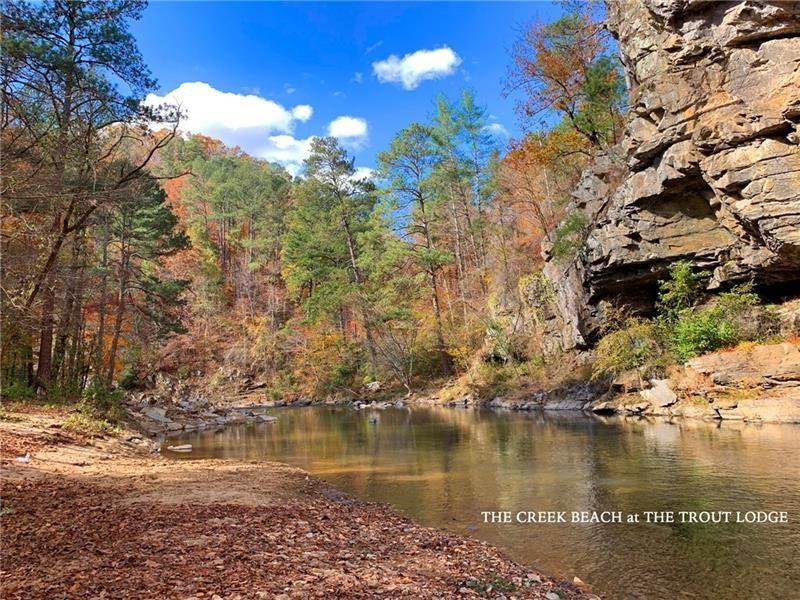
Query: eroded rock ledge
[(708, 169)]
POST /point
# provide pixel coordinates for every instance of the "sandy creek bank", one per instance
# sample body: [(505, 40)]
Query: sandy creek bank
[(111, 518)]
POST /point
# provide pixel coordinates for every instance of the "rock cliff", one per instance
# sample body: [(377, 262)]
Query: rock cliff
[(708, 169)]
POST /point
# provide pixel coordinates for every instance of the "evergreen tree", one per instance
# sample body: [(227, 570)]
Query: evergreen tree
[(143, 231), (321, 245), (408, 167)]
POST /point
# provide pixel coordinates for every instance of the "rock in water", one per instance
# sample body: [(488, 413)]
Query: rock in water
[(709, 163), (181, 448)]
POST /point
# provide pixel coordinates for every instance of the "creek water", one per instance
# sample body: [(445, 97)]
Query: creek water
[(444, 467)]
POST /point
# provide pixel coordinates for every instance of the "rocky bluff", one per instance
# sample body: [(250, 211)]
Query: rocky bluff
[(708, 169)]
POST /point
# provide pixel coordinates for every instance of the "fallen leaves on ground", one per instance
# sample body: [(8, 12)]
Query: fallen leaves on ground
[(91, 522)]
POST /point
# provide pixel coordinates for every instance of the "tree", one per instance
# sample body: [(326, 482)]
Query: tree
[(143, 231), (72, 81), (408, 166), (321, 246), (565, 68)]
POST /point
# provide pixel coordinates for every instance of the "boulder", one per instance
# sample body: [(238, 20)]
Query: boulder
[(157, 414), (660, 394), (373, 386)]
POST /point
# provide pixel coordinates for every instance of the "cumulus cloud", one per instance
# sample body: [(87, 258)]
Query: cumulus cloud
[(348, 128), (302, 112), (286, 150), (209, 110), (259, 126), (416, 67)]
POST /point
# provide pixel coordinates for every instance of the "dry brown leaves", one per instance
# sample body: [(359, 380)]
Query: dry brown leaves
[(69, 538)]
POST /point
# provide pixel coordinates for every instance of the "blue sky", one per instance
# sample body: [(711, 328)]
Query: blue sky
[(268, 75)]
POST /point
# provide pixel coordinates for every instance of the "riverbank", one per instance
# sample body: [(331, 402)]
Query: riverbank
[(756, 383), (111, 517)]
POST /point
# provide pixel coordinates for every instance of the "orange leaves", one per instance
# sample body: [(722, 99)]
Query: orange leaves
[(550, 63), (536, 177)]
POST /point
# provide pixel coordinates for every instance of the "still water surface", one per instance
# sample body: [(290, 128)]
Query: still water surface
[(444, 467)]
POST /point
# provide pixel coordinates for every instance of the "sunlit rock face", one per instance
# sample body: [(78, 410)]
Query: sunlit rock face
[(709, 166)]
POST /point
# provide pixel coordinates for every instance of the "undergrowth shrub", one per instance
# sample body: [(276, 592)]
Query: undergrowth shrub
[(683, 328), (733, 317), (493, 379), (14, 389), (100, 402), (88, 426), (637, 344)]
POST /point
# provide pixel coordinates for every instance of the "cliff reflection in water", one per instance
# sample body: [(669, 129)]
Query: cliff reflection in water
[(443, 467)]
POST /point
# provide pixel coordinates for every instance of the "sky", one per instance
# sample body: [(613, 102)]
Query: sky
[(267, 76)]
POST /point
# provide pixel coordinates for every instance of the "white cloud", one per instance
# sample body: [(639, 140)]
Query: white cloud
[(287, 150), (302, 112), (211, 111), (358, 77), (289, 88), (416, 67), (259, 126), (497, 129), (350, 131)]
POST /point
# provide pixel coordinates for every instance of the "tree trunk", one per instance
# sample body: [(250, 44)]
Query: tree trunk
[(351, 247), (123, 285), (77, 327), (43, 369), (59, 229), (441, 349), (101, 310), (67, 313)]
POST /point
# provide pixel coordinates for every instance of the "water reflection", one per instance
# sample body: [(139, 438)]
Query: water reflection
[(444, 467)]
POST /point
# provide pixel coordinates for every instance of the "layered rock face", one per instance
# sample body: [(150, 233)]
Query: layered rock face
[(709, 164)]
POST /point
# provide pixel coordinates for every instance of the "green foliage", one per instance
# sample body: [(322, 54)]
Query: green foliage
[(6, 509), (568, 238), (60, 392), (681, 291), (637, 344), (733, 317), (684, 328), (604, 97), (321, 245), (14, 389), (506, 345), (567, 68), (493, 379), (128, 378), (101, 402)]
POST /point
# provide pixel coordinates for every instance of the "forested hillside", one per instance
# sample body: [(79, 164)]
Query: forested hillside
[(131, 247)]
